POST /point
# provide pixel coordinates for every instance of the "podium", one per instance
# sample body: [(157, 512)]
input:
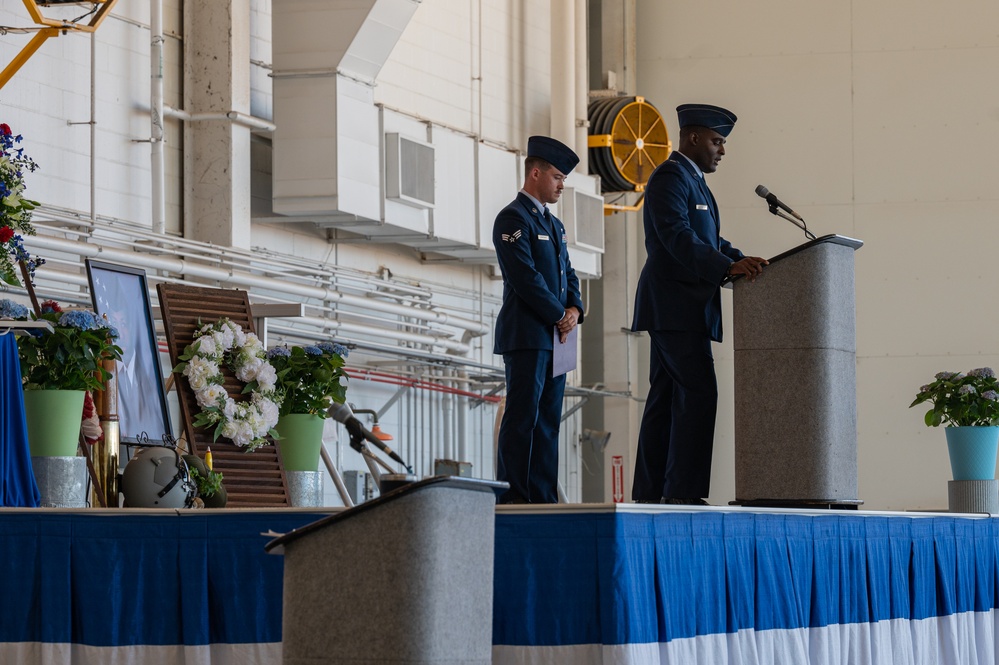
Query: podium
[(404, 579), (795, 379)]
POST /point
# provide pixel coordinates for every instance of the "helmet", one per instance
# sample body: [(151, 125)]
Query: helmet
[(157, 477)]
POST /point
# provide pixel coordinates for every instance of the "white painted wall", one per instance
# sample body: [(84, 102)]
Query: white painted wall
[(482, 67), (53, 89), (471, 67), (874, 120)]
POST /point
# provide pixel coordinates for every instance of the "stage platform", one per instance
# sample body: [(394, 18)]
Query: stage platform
[(580, 584)]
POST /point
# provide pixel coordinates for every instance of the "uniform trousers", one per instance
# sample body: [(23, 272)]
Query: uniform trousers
[(678, 426), (527, 455)]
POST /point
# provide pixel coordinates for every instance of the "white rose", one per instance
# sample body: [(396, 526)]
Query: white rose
[(257, 424), (225, 337), (206, 345), (269, 411), (200, 367), (238, 336), (229, 430), (247, 371), (266, 376), (210, 395), (244, 433)]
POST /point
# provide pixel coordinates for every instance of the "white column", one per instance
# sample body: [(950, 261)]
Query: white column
[(217, 80), (563, 76)]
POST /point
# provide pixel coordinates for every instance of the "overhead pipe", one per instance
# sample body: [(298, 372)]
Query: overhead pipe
[(363, 374), (237, 117), (397, 335), (239, 278), (223, 255)]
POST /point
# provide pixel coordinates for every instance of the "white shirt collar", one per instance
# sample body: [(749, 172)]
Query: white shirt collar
[(697, 169), (536, 202)]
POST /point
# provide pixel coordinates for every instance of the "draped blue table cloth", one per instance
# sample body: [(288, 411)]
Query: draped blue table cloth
[(17, 479), (742, 587), (117, 586), (615, 586)]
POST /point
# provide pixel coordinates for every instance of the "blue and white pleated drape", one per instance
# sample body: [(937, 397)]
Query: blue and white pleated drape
[(195, 588), (17, 480), (745, 588)]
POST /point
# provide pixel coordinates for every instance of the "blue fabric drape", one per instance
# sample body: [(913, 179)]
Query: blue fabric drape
[(17, 479), (661, 577), (198, 578)]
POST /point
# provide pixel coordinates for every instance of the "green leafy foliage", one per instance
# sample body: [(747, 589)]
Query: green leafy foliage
[(71, 357), (208, 485), (961, 400), (309, 378)]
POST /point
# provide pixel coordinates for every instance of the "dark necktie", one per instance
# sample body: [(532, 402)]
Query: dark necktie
[(551, 230)]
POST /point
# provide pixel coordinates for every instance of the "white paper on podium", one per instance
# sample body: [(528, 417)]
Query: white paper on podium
[(564, 355)]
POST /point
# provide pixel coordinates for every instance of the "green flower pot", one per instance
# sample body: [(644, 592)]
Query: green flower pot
[(54, 418), (300, 442)]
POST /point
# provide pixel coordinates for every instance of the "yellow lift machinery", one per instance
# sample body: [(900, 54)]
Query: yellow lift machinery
[(54, 27)]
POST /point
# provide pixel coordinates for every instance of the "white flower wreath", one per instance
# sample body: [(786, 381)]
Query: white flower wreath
[(244, 423)]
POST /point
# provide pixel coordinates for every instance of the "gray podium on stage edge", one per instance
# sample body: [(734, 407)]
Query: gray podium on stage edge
[(796, 379), (404, 578)]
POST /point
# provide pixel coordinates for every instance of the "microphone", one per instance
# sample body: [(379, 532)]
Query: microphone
[(343, 414), (775, 202)]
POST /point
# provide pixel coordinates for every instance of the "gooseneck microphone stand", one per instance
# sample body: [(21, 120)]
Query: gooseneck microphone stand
[(800, 224)]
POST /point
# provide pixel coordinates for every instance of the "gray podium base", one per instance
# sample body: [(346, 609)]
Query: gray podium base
[(973, 496), (305, 488), (62, 481), (405, 579)]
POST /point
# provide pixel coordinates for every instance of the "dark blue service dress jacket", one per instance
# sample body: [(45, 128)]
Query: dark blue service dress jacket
[(539, 283), (679, 288)]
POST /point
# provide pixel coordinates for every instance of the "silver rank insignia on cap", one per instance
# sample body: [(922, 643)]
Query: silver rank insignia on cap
[(511, 237)]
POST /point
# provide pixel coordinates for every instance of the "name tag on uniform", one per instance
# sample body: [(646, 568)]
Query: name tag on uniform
[(701, 206), (541, 237)]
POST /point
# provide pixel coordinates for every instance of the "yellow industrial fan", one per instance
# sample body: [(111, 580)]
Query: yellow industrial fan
[(628, 140)]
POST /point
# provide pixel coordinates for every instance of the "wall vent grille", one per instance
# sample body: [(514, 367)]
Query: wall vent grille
[(409, 171)]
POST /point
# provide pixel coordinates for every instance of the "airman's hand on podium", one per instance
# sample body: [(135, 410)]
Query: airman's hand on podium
[(750, 266)]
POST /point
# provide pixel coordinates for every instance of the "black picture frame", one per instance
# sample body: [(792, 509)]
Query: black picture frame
[(122, 294)]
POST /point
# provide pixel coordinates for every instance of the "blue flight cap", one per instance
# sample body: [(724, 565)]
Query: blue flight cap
[(704, 115), (554, 152)]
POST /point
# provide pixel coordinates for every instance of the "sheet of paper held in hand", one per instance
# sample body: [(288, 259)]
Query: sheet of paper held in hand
[(564, 355)]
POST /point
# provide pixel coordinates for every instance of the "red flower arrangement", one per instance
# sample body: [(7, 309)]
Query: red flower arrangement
[(15, 210)]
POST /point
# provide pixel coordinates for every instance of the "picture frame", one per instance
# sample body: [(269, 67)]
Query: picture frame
[(122, 294)]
